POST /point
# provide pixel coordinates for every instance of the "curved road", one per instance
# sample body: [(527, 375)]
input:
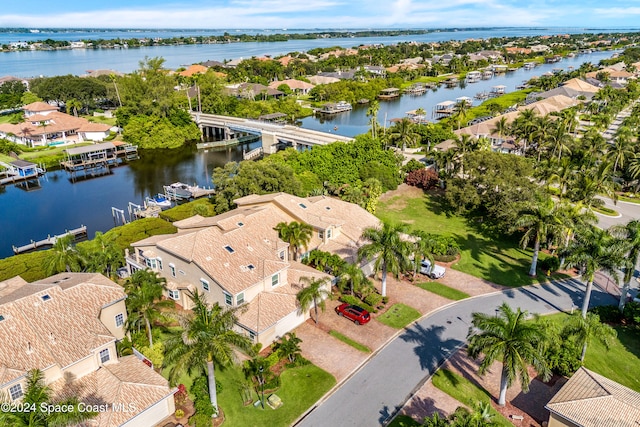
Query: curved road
[(381, 387)]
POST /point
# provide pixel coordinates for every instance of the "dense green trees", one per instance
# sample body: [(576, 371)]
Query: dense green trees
[(87, 92)]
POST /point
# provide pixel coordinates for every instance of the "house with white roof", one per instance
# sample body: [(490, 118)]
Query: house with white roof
[(67, 326), (236, 259)]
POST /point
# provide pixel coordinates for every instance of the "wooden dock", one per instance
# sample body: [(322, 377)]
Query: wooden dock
[(50, 240)]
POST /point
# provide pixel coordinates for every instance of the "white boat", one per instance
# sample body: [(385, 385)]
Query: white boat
[(159, 200), (178, 191)]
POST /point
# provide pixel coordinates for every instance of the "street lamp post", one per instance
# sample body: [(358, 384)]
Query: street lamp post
[(262, 386)]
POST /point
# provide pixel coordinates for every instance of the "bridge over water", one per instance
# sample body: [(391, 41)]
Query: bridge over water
[(272, 134)]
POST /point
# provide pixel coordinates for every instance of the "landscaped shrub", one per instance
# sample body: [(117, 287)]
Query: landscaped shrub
[(423, 178), (563, 360), (412, 165), (443, 246), (631, 313), (201, 403), (350, 299), (179, 413), (608, 313), (550, 264), (373, 299)]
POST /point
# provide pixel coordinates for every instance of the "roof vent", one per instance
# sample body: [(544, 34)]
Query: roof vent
[(249, 248), (226, 264), (29, 349)]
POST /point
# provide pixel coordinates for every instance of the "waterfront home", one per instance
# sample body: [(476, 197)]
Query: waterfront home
[(588, 399), (45, 125), (296, 86), (67, 326), (252, 91), (193, 70), (574, 88), (323, 80), (613, 74), (237, 259)]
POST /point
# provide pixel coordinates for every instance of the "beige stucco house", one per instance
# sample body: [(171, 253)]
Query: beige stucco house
[(236, 259), (591, 400), (67, 326)]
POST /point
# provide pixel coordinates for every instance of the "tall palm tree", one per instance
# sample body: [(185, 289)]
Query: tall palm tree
[(501, 128), (296, 234), (559, 140), (574, 217), (404, 135), (620, 151), (390, 251), (422, 249), (509, 338), (352, 276), (372, 113), (541, 221), (63, 256), (585, 329), (595, 249), (524, 126), (314, 294), (38, 396), (206, 337), (144, 301), (103, 254), (630, 232)]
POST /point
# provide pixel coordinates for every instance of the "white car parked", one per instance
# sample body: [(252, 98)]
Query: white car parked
[(434, 272)]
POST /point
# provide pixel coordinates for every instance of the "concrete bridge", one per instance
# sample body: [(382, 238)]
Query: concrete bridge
[(272, 134)]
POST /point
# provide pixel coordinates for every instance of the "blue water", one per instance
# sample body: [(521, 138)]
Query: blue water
[(79, 61)]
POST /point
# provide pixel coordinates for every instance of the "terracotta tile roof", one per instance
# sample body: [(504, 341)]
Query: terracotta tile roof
[(94, 127), (39, 106), (268, 308), (591, 400), (127, 382), (61, 330), (193, 69), (293, 84), (581, 85), (57, 122)]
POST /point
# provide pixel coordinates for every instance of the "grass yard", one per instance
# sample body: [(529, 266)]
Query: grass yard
[(621, 362), (605, 211), (443, 290), (301, 388), (349, 341), (466, 392), (398, 316), (404, 421), (500, 261)]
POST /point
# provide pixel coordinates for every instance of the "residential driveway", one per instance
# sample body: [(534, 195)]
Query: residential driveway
[(379, 389)]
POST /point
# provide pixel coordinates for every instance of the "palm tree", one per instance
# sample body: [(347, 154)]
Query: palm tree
[(288, 346), (390, 251), (104, 255), (422, 248), (314, 294), (630, 232), (541, 221), (352, 276), (595, 249), (144, 301), (501, 128), (206, 336), (403, 134), (63, 256), (509, 338), (372, 112), (620, 151), (38, 396), (559, 139), (524, 126), (73, 105), (296, 234), (574, 217), (585, 329)]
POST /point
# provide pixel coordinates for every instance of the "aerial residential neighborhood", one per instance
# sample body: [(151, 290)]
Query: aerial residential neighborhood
[(395, 227)]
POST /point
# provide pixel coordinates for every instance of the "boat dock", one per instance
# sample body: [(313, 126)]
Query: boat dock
[(20, 170), (97, 156), (50, 240), (389, 93)]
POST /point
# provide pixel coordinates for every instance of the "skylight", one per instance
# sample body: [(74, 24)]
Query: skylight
[(45, 297), (240, 224), (302, 205), (1, 317), (229, 249), (251, 266)]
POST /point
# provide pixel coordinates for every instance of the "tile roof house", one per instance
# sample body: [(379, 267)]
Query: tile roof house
[(297, 86), (591, 400), (43, 124), (67, 326), (237, 259)]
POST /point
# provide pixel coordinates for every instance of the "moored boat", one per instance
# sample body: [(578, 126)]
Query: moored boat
[(159, 200)]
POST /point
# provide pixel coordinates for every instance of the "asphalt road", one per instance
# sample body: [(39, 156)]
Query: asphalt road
[(628, 211), (380, 388)]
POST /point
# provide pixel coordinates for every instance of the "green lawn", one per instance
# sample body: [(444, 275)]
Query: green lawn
[(498, 260), (398, 316), (621, 362), (404, 421), (301, 388), (443, 290), (635, 200), (605, 211), (352, 343), (466, 392)]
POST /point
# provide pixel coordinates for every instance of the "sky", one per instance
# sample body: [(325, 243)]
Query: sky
[(300, 14)]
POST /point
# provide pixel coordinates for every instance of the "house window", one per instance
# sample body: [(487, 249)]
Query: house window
[(16, 391), (321, 234), (172, 269), (275, 279), (228, 299), (252, 335), (104, 355), (328, 233), (159, 264), (282, 255), (205, 284), (229, 249), (174, 294), (151, 263), (119, 320), (240, 298)]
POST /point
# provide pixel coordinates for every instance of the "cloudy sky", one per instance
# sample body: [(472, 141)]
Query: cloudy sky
[(217, 14)]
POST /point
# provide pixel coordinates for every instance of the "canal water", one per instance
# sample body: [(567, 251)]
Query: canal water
[(62, 203)]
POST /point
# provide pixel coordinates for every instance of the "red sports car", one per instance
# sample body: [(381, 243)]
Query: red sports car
[(359, 315)]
